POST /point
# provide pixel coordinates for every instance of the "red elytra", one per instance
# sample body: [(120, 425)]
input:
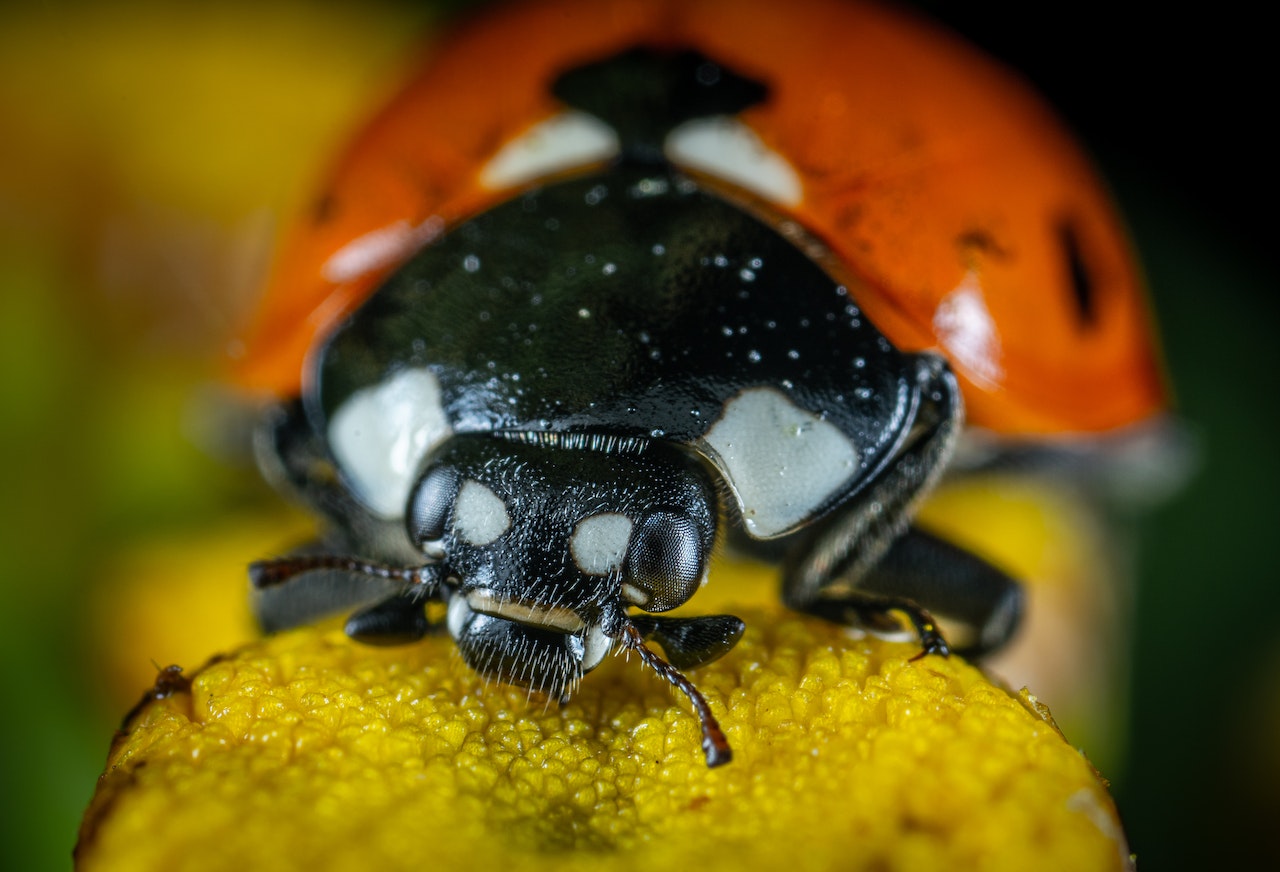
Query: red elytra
[(948, 195)]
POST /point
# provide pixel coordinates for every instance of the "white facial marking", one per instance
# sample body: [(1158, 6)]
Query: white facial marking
[(379, 248), (727, 148), (553, 617), (635, 595), (380, 434), (599, 543), (967, 331), (459, 613), (562, 142), (597, 644), (479, 515), (781, 461)]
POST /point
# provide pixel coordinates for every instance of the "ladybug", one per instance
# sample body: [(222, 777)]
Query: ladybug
[(613, 284)]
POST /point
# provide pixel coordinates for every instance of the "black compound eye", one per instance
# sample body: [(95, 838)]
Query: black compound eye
[(665, 562), (431, 503)]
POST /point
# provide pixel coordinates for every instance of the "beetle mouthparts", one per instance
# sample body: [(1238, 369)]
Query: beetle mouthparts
[(548, 617), (714, 744)]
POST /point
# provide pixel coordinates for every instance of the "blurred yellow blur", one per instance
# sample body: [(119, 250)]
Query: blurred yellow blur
[(148, 151), (157, 145)]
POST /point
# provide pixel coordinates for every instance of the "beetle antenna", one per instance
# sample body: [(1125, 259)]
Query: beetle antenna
[(270, 573), (714, 743)]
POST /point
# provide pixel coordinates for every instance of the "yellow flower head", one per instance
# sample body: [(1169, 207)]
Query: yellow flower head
[(310, 751)]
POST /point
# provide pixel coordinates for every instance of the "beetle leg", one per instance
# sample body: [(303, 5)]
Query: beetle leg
[(953, 583), (874, 612), (863, 562), (714, 745), (295, 461), (295, 590), (396, 621), (314, 595), (691, 642), (921, 574)]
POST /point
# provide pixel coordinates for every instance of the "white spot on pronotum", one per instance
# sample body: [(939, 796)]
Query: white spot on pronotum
[(727, 148), (380, 248), (562, 142), (599, 543), (479, 515), (967, 331), (380, 434), (782, 462)]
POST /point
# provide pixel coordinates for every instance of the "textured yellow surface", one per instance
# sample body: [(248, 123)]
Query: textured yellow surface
[(313, 752), (1072, 646)]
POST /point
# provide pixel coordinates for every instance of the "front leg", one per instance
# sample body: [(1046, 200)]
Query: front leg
[(919, 576), (875, 612), (864, 563)]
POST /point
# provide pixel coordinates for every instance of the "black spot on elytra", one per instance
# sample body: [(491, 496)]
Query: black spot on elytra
[(1083, 289), (322, 209), (981, 240), (643, 93)]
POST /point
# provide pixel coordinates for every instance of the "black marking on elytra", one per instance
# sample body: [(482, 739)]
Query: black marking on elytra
[(322, 210), (980, 240), (1084, 291), (643, 93)]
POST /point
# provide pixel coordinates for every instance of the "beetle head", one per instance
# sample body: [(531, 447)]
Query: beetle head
[(544, 540)]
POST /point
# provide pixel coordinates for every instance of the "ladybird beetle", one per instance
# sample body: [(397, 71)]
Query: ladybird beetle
[(610, 284)]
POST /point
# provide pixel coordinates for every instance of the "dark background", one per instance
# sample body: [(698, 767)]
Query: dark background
[(1173, 106)]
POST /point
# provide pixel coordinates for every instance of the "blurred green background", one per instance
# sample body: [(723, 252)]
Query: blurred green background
[(147, 150)]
